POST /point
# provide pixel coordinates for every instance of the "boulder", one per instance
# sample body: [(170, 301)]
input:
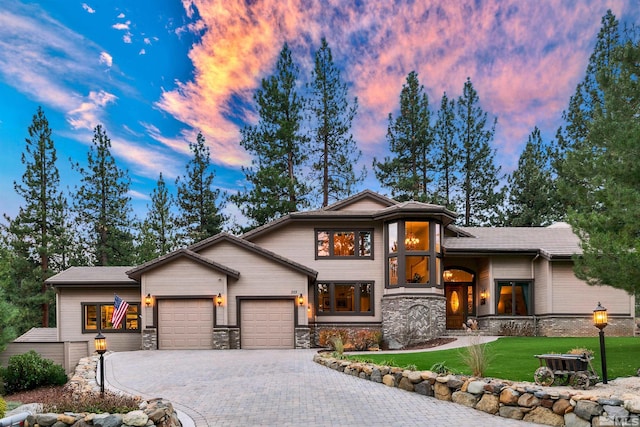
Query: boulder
[(632, 405), (572, 420), (414, 376), (376, 375), (560, 407), (464, 398), (135, 418), (528, 400), (615, 411), (512, 412), (455, 383), (389, 380), (424, 388), (107, 420), (544, 416), (587, 409), (489, 403), (406, 384), (46, 420), (509, 396), (476, 387), (441, 391)]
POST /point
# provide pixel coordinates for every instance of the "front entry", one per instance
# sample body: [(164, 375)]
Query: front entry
[(459, 290)]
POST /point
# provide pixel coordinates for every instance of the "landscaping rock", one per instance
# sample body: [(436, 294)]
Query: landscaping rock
[(406, 384), (489, 403), (476, 387), (632, 405), (442, 392), (572, 420), (528, 400), (544, 416), (513, 412), (107, 420), (611, 401), (455, 383), (67, 419), (46, 420), (389, 380), (424, 388), (560, 407), (615, 411), (415, 377), (464, 398), (429, 376), (587, 409), (135, 418), (509, 396), (376, 376), (546, 403)]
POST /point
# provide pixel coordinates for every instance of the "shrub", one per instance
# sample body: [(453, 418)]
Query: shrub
[(338, 346), (440, 368), (3, 407), (327, 336), (95, 403), (581, 351), (29, 370), (364, 339)]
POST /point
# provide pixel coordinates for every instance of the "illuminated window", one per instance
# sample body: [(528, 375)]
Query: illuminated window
[(338, 298), (94, 314), (514, 298), (414, 252), (344, 244)]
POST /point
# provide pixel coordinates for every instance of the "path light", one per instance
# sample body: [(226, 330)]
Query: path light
[(600, 322), (101, 347)]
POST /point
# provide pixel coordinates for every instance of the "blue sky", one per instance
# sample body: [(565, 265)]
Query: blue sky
[(155, 72)]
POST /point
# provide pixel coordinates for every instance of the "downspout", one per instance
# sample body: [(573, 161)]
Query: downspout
[(533, 292)]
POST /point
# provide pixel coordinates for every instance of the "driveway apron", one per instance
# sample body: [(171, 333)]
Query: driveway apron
[(277, 388)]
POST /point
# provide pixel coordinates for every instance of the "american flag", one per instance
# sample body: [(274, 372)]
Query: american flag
[(119, 310)]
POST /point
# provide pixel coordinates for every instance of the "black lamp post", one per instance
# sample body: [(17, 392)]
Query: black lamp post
[(600, 321), (101, 347)]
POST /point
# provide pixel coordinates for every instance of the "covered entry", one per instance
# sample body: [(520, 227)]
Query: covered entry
[(459, 290), (185, 324), (267, 324)]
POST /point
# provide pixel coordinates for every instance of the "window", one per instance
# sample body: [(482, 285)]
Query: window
[(514, 298), (338, 298), (344, 244), (94, 314)]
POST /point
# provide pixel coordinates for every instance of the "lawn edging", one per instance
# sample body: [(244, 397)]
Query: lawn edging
[(497, 397)]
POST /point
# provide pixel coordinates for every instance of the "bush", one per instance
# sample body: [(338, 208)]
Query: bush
[(111, 403), (476, 356), (3, 407), (327, 337), (364, 339), (29, 370)]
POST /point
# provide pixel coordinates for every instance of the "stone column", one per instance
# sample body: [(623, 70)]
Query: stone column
[(412, 319), (149, 338)]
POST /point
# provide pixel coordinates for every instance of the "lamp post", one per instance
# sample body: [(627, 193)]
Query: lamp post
[(101, 347), (600, 321)]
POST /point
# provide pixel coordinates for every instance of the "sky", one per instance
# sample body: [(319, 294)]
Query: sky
[(154, 73)]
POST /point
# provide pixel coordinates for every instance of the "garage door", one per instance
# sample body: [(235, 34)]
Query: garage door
[(266, 324), (185, 324)]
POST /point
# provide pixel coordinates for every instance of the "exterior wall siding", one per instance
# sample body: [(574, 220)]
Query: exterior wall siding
[(511, 267), (65, 354)]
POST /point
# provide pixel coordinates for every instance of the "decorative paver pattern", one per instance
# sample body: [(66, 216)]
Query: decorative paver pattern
[(277, 388)]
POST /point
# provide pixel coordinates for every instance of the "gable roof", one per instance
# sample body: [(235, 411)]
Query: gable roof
[(226, 237), (95, 276), (39, 335), (366, 194), (137, 272), (556, 241)]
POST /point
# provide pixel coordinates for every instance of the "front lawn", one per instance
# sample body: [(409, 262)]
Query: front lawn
[(513, 357)]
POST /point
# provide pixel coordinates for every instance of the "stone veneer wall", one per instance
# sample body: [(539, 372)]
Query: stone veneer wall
[(411, 319), (575, 326), (303, 337), (149, 338), (498, 397)]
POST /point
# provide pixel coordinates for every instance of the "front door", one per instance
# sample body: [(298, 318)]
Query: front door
[(456, 300)]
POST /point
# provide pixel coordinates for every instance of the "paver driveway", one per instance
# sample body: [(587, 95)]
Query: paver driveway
[(277, 388)]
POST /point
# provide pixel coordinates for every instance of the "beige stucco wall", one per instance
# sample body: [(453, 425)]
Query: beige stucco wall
[(69, 312)]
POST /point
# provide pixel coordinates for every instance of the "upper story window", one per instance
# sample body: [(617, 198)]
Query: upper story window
[(414, 253), (353, 243), (514, 297), (97, 316)]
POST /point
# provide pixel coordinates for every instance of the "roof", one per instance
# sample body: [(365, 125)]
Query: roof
[(366, 194), (226, 237), (137, 272), (556, 241), (39, 335), (93, 275)]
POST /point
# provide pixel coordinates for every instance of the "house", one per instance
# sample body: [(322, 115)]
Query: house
[(366, 262)]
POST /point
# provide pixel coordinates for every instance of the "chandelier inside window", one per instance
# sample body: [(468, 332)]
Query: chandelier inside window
[(411, 242)]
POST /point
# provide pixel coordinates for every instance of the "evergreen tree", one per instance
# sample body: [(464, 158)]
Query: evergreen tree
[(35, 234), (579, 115), (198, 202), (408, 172), (279, 149), (334, 153), (102, 206), (480, 176), (606, 163), (156, 235), (531, 189), (447, 157), (8, 312)]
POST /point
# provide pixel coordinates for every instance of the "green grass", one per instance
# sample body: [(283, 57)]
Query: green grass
[(513, 357)]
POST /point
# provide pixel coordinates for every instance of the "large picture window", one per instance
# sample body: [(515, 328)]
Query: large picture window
[(514, 298), (344, 244), (97, 316), (338, 298)]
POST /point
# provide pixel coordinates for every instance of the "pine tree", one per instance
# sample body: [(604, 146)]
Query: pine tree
[(36, 232), (157, 235), (480, 176), (277, 185), (447, 157), (199, 204), (334, 153), (606, 163), (409, 171), (532, 195), (102, 206), (9, 320)]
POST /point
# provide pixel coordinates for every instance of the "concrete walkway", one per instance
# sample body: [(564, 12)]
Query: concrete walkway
[(277, 388)]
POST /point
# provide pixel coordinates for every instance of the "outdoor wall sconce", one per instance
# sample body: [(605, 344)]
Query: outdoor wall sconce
[(300, 300), (219, 299), (483, 297), (600, 322), (100, 343), (147, 300)]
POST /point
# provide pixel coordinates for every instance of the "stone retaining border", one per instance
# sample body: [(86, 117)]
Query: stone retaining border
[(498, 397)]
